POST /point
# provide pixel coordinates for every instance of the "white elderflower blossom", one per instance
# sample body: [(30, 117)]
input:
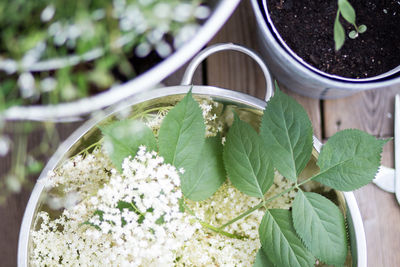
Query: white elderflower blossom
[(213, 122), (210, 249), (134, 219), (82, 174)]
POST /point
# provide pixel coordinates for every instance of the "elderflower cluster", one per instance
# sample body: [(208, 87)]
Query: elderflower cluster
[(82, 173), (154, 120), (77, 178), (148, 234), (211, 249), (210, 110)]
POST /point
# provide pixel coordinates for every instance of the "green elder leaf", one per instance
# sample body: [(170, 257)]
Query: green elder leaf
[(280, 242), (287, 134), (262, 260), (182, 134), (202, 181), (248, 166), (320, 224), (349, 159), (123, 138), (338, 34), (347, 11)]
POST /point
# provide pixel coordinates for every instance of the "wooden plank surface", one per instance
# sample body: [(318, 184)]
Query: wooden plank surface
[(12, 210), (370, 111)]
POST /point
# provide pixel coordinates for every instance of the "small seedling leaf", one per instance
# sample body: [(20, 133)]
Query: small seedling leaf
[(362, 28), (338, 34), (347, 11), (353, 34)]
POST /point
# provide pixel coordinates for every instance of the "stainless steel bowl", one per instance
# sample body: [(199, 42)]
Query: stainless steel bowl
[(301, 77), (88, 133)]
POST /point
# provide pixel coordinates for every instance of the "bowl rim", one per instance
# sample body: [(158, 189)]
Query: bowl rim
[(202, 90)]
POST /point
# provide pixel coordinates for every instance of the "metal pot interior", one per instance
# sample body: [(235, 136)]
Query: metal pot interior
[(249, 109)]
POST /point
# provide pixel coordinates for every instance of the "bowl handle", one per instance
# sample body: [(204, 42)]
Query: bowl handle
[(191, 68)]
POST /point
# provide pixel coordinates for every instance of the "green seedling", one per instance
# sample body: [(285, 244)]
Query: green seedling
[(347, 12)]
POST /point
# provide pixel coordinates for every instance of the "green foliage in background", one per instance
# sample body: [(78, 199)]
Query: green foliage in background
[(64, 50), (56, 51)]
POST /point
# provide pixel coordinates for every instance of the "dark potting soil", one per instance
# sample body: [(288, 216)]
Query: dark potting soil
[(307, 28)]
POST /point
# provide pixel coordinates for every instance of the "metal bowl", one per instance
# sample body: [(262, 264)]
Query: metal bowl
[(88, 133), (301, 77)]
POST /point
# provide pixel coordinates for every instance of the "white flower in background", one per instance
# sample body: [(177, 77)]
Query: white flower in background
[(99, 14), (48, 13), (5, 144), (185, 34), (163, 49), (162, 10), (33, 55), (13, 183), (178, 19), (183, 12), (143, 49), (48, 84), (26, 83), (202, 12), (8, 65), (60, 41)]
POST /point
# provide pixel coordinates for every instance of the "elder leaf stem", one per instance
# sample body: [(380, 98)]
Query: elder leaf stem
[(264, 202), (211, 227)]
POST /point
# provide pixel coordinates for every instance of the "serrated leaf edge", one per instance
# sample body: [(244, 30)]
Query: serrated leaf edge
[(309, 248), (382, 141), (287, 241), (259, 189)]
